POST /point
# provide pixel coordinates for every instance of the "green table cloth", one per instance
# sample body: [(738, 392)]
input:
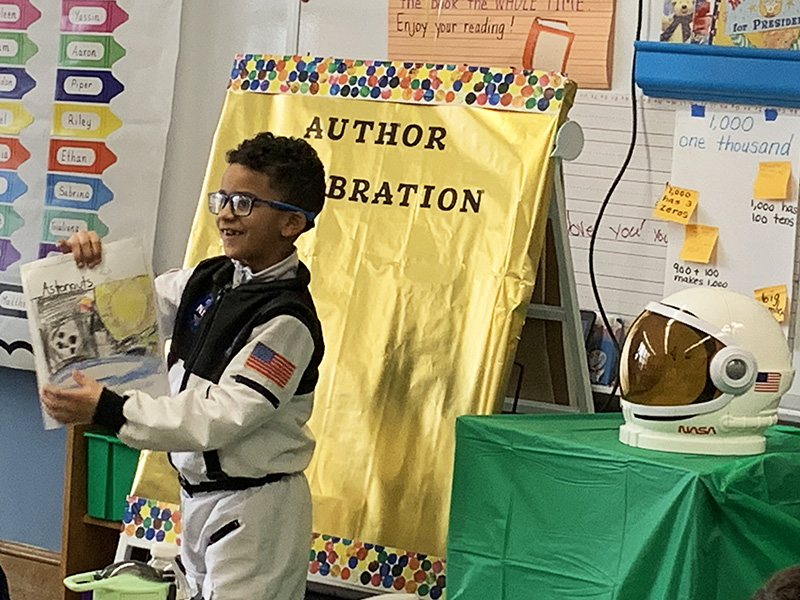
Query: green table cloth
[(554, 506)]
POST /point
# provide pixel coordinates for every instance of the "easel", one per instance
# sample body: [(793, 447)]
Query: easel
[(550, 371)]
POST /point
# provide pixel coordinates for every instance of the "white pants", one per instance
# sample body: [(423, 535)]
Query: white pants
[(251, 544)]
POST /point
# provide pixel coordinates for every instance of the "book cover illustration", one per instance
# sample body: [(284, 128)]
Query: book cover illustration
[(758, 24), (102, 321), (601, 352), (687, 21), (548, 45)]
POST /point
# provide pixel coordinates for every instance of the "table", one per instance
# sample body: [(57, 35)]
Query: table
[(554, 506)]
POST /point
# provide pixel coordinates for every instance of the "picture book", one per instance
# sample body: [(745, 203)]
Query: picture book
[(757, 24), (101, 321), (687, 21)]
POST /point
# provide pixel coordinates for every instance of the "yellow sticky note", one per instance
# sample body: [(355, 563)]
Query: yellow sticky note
[(676, 204), (772, 181), (775, 298), (699, 242)]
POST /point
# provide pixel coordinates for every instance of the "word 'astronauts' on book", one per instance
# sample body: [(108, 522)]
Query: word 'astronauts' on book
[(55, 288)]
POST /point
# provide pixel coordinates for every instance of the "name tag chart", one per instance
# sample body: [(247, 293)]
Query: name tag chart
[(80, 95)]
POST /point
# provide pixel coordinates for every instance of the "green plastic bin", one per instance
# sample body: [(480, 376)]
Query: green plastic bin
[(111, 467)]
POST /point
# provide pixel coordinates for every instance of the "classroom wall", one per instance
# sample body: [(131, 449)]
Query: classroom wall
[(212, 31), (31, 466)]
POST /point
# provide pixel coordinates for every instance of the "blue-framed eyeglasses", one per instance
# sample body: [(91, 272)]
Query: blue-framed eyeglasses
[(241, 205)]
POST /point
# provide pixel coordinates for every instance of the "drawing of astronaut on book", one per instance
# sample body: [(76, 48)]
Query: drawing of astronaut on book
[(687, 21), (758, 24)]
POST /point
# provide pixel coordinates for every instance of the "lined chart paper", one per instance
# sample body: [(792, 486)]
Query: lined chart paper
[(631, 245)]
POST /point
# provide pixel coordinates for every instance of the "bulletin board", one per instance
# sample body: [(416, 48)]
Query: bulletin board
[(423, 262), (83, 93)]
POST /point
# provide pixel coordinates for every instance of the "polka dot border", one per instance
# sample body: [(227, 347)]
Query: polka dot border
[(378, 568), (152, 521), (394, 81)]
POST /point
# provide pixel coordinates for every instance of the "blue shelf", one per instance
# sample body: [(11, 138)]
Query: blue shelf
[(760, 76)]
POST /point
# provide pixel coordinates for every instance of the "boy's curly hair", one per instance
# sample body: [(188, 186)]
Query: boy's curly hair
[(293, 167), (782, 585)]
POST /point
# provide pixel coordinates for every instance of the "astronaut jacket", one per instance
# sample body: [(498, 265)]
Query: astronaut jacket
[(243, 365)]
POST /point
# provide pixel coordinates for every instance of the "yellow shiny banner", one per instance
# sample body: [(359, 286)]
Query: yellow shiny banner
[(423, 262)]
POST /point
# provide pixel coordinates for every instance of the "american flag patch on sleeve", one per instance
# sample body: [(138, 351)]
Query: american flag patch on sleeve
[(767, 381), (270, 364)]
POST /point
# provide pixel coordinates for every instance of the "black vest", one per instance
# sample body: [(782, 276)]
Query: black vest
[(214, 320)]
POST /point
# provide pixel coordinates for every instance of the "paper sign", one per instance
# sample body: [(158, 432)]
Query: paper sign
[(83, 120), (15, 83), (79, 156), (13, 117), (11, 186), (59, 224), (772, 181), (8, 254), (775, 298), (96, 16), (79, 50), (699, 242), (102, 321), (16, 47), (10, 220), (677, 204), (12, 153), (18, 14), (84, 85)]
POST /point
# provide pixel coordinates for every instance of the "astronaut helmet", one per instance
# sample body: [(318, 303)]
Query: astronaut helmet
[(703, 371)]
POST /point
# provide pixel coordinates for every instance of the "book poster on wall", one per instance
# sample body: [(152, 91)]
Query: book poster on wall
[(85, 101), (758, 23), (573, 37)]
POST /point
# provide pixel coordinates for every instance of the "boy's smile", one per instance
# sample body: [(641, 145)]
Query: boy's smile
[(258, 240)]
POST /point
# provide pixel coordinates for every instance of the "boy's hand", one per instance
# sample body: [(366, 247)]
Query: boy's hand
[(73, 406), (86, 248)]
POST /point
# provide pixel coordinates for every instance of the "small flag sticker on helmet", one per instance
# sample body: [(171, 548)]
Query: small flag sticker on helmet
[(270, 364), (767, 381)]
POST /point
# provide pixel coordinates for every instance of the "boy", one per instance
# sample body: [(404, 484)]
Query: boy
[(782, 585), (246, 346)]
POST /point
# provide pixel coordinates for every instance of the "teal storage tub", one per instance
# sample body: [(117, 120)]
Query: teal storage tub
[(110, 471)]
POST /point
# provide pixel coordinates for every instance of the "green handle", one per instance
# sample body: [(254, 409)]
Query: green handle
[(82, 582)]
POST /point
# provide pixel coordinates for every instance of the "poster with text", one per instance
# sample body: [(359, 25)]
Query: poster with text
[(574, 37), (85, 101), (720, 155)]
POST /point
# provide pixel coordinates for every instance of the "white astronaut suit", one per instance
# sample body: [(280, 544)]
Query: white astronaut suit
[(250, 543)]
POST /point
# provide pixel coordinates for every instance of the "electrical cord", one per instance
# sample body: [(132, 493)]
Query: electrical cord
[(604, 204)]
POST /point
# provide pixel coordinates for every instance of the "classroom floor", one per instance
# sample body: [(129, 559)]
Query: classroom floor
[(321, 592)]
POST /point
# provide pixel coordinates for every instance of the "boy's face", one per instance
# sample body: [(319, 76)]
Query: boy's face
[(265, 236)]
